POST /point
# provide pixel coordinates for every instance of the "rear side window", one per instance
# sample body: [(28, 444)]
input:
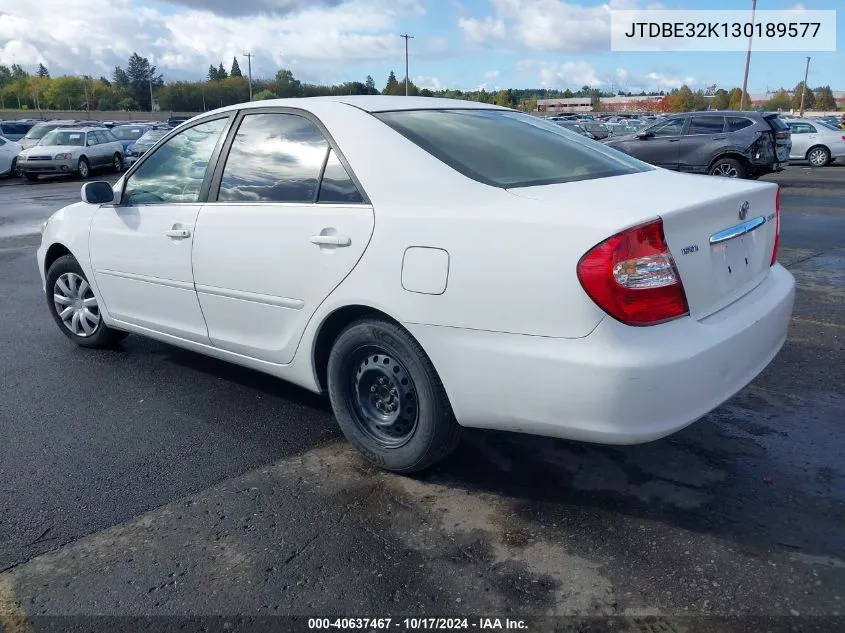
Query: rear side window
[(706, 125), (274, 158), (737, 123), (508, 149), (336, 185)]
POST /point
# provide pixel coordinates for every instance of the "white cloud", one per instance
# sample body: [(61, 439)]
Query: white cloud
[(480, 31), (576, 74), (432, 83), (549, 25), (491, 74), (94, 36)]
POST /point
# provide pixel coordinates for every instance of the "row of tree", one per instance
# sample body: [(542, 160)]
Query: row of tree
[(139, 86)]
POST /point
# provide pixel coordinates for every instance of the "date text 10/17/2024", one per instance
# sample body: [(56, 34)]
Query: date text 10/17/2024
[(418, 624)]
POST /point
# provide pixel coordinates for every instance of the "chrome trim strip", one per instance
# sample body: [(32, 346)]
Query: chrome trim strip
[(736, 231), (254, 297), (170, 283)]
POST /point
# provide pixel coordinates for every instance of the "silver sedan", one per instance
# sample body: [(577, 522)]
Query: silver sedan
[(72, 151)]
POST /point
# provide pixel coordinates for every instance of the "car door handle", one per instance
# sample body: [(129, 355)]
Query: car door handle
[(331, 240), (178, 233), (674, 140), (719, 138)]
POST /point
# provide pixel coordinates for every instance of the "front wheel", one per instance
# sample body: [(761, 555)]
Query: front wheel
[(83, 169), (388, 398), (819, 156), (74, 306), (16, 171), (727, 168)]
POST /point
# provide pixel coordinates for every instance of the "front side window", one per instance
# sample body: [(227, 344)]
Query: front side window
[(274, 158), (94, 138), (706, 125), (508, 149), (672, 127), (176, 170)]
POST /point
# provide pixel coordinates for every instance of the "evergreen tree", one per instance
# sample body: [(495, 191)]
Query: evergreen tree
[(236, 68), (370, 85), (392, 87), (221, 72), (42, 71)]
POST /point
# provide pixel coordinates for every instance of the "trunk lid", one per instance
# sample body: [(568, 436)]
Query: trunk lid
[(721, 231)]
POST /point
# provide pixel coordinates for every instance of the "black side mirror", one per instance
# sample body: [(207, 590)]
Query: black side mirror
[(98, 192)]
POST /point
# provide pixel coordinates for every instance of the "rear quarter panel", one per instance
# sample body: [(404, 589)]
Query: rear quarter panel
[(511, 260)]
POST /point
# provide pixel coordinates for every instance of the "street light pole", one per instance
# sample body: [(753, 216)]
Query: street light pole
[(804, 88), (748, 58), (248, 56), (407, 78)]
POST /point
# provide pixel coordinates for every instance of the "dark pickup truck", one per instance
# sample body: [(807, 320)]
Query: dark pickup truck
[(730, 144)]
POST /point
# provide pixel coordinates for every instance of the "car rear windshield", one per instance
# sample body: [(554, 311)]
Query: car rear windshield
[(777, 124), (39, 130), (508, 149), (128, 132), (14, 128)]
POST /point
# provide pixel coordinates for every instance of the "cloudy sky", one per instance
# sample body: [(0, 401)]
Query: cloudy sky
[(457, 43)]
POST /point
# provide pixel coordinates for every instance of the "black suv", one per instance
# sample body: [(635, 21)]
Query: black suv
[(732, 144)]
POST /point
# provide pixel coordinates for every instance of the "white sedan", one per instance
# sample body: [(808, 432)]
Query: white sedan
[(815, 141), (432, 264), (9, 152)]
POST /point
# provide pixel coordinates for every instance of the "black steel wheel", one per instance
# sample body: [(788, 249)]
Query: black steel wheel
[(388, 399)]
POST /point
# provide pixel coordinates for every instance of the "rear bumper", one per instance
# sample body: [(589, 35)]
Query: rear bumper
[(619, 385)]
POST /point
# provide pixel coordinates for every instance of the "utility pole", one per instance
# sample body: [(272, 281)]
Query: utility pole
[(804, 88), (249, 56), (152, 103), (407, 79), (748, 58)]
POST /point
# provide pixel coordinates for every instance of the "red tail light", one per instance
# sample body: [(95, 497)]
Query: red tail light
[(777, 228), (782, 136), (632, 277)]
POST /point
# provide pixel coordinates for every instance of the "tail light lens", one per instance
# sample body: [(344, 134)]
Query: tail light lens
[(783, 136), (777, 228), (632, 277)]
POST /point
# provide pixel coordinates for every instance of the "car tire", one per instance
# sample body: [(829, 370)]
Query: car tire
[(83, 168), (67, 288), (117, 163), (15, 171), (727, 168), (388, 399), (818, 156), (31, 177)]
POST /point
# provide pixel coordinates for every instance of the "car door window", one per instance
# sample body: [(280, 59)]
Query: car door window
[(672, 127), (706, 125), (275, 157), (801, 128), (336, 185), (91, 139), (176, 170), (737, 123)]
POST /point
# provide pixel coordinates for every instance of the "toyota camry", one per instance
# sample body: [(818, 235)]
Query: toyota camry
[(432, 264)]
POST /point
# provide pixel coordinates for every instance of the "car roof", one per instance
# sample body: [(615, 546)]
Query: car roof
[(87, 128), (368, 103)]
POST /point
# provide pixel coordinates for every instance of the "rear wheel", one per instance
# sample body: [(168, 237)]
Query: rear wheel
[(727, 168), (117, 163), (74, 306), (818, 156), (388, 398), (16, 171)]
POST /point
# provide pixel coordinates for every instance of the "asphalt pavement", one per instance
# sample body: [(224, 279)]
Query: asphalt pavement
[(154, 481)]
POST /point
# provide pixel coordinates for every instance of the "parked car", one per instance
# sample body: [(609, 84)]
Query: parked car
[(599, 130), (140, 147), (41, 129), (815, 142), (15, 130), (9, 151), (522, 291), (731, 144), (72, 151), (575, 127), (176, 121), (128, 134)]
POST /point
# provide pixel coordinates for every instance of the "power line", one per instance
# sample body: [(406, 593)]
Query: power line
[(407, 37), (249, 57)]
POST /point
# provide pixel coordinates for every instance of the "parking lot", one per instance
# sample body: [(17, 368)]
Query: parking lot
[(150, 480)]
